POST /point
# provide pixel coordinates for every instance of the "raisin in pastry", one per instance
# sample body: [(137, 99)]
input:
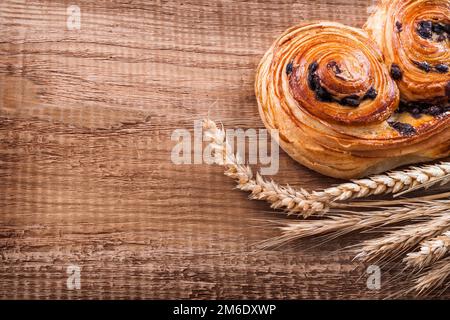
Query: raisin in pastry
[(325, 88)]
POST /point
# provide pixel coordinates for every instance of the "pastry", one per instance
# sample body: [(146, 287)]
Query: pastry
[(325, 88), (414, 37)]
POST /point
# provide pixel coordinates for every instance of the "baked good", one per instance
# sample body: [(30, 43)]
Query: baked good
[(325, 88), (414, 36)]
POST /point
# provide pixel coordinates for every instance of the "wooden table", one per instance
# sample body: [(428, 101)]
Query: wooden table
[(85, 141)]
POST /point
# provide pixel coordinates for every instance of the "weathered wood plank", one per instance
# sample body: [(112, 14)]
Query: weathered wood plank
[(86, 177)]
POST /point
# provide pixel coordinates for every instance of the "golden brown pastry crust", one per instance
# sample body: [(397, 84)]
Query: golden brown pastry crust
[(308, 85), (405, 32)]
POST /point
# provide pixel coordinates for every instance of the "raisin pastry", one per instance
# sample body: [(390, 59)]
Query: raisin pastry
[(326, 90), (414, 37)]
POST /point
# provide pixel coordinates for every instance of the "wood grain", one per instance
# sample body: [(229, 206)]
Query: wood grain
[(86, 118)]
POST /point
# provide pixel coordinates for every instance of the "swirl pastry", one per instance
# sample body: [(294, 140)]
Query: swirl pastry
[(414, 37), (326, 90)]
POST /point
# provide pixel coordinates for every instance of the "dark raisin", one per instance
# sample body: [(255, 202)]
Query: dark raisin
[(447, 28), (422, 105), (442, 68), (438, 28), (331, 64), (402, 107), (424, 29), (405, 129), (434, 111), (289, 68), (334, 66), (351, 101), (323, 95), (416, 113), (423, 66), (426, 24), (313, 81), (371, 94), (396, 72), (399, 26), (415, 110), (313, 67)]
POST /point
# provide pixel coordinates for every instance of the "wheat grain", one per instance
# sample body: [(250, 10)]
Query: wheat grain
[(396, 182), (340, 223), (430, 252), (430, 216), (438, 274), (396, 243), (300, 201), (280, 197)]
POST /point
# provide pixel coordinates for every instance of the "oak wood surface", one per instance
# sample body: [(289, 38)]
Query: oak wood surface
[(86, 118)]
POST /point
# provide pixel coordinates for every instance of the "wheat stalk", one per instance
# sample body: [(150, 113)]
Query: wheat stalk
[(400, 241), (286, 197), (340, 223), (430, 217), (434, 278), (302, 202), (430, 252), (395, 182)]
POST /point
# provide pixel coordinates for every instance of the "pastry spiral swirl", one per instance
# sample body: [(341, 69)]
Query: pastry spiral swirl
[(414, 36), (326, 90)]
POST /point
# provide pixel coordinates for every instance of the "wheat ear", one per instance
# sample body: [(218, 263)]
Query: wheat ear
[(280, 197), (305, 203), (430, 252), (395, 182), (340, 223), (434, 278), (397, 242)]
